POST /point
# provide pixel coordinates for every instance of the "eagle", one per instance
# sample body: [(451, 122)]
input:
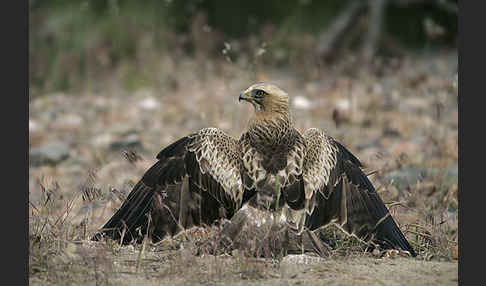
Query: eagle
[(309, 179)]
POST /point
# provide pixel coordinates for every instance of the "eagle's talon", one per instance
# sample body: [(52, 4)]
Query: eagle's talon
[(393, 253)]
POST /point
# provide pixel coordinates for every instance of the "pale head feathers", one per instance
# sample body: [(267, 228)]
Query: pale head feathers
[(271, 103)]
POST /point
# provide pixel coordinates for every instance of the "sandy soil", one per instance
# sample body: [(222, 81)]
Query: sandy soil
[(182, 268)]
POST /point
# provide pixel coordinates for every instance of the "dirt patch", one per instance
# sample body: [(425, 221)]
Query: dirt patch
[(96, 265)]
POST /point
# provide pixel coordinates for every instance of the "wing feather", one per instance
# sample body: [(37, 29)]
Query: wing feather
[(196, 180), (343, 194)]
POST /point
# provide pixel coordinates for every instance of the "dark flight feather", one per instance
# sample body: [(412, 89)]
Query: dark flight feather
[(348, 199)]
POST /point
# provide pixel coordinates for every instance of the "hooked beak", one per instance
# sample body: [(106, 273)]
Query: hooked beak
[(244, 96)]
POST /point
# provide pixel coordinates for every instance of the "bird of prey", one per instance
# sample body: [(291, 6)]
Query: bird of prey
[(310, 178)]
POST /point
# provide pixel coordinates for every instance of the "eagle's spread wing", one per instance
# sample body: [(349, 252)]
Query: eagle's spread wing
[(209, 175), (337, 191), (196, 180)]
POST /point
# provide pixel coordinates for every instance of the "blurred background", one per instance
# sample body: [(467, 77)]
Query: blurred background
[(78, 45), (112, 82)]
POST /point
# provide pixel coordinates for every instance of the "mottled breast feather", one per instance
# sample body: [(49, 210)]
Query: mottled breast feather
[(257, 174), (218, 155), (254, 157)]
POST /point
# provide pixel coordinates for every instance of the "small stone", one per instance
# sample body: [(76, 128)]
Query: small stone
[(301, 102), (68, 121), (370, 143), (49, 154), (149, 103), (302, 259), (102, 140), (406, 177), (391, 132), (343, 105), (33, 126), (131, 141)]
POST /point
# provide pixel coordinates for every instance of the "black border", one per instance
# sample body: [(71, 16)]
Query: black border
[(14, 25), (471, 89), (21, 60), (460, 44)]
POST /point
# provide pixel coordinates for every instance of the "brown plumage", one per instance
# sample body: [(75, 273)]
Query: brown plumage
[(310, 179)]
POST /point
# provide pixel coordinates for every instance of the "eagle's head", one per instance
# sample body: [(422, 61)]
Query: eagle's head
[(266, 98)]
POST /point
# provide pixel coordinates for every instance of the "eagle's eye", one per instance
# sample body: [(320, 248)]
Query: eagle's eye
[(260, 93)]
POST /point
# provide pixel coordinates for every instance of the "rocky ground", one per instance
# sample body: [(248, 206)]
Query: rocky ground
[(400, 119)]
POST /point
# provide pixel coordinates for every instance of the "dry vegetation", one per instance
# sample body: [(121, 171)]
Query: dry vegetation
[(399, 116)]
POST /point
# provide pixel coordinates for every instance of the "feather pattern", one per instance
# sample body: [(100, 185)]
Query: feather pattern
[(339, 192), (195, 181), (217, 154)]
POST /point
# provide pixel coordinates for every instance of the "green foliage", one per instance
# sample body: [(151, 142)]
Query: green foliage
[(243, 18), (406, 23), (81, 41)]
